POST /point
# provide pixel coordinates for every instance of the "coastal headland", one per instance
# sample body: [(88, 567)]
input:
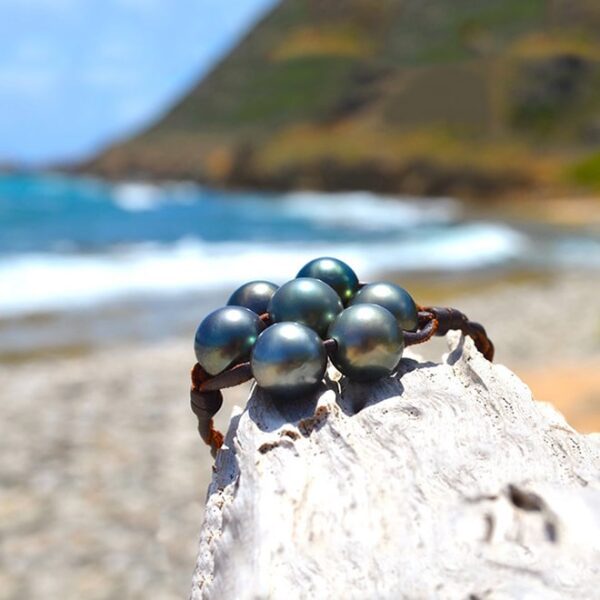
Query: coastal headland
[(469, 100)]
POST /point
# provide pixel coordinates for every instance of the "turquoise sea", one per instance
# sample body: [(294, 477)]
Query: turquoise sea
[(69, 246)]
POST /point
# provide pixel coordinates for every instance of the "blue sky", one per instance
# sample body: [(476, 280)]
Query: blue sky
[(76, 74)]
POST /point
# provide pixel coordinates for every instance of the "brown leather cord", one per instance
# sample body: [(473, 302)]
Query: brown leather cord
[(451, 318)]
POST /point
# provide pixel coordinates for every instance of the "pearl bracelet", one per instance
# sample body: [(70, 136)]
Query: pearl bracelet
[(283, 336)]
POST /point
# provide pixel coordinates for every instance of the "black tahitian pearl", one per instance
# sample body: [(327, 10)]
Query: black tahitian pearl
[(333, 272), (306, 301), (225, 338), (391, 296), (288, 360), (369, 342), (254, 295)]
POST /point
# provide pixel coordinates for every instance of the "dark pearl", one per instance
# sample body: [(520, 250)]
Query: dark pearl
[(396, 299), (307, 301), (288, 360), (225, 338), (369, 342), (254, 295), (333, 272)]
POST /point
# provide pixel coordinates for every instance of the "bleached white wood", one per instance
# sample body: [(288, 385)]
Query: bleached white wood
[(447, 481)]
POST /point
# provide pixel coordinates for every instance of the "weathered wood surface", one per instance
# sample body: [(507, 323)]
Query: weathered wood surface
[(448, 481)]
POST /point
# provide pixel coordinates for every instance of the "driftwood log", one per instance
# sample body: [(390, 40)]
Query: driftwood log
[(446, 481)]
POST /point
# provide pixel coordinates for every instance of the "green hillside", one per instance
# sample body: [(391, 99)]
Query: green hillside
[(457, 97)]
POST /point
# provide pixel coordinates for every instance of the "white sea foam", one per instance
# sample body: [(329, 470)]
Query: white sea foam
[(369, 211), (137, 197), (362, 210), (34, 282), (134, 196)]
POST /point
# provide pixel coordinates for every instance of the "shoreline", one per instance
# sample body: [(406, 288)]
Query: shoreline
[(149, 320), (536, 320)]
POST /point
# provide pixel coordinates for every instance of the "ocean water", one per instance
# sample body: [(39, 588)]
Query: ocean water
[(71, 244), (70, 241)]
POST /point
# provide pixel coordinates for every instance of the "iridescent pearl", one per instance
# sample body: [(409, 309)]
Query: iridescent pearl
[(333, 272), (288, 360), (225, 338), (369, 342), (254, 295), (391, 296), (307, 301)]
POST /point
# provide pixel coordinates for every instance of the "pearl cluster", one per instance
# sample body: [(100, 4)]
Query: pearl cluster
[(325, 301)]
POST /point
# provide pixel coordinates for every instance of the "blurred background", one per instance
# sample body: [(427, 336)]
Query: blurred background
[(155, 155)]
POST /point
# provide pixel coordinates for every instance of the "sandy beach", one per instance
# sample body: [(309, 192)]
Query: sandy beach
[(103, 477)]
